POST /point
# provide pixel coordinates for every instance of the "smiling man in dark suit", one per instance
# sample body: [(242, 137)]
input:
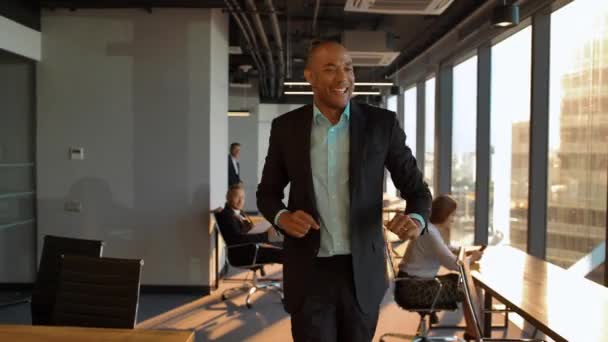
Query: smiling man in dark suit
[(333, 154)]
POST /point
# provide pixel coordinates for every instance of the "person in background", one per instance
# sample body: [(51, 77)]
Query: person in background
[(425, 255), (234, 168), (234, 225)]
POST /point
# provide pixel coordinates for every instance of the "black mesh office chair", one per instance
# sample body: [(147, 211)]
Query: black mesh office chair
[(45, 287), (425, 308), (244, 256), (471, 304), (97, 292)]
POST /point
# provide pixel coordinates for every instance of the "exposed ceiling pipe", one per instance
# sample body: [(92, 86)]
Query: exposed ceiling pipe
[(288, 44), (314, 19), (279, 42), (245, 27), (257, 22)]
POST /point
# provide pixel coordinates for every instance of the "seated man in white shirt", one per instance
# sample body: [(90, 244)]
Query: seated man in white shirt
[(425, 255)]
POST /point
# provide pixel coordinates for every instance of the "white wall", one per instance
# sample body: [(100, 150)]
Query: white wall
[(146, 96), (267, 112), (245, 131), (17, 117)]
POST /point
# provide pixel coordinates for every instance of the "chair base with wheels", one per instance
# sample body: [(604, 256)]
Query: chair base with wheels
[(251, 287), (421, 334), (424, 308), (251, 256)]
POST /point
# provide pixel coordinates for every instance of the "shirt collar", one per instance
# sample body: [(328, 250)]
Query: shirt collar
[(316, 113)]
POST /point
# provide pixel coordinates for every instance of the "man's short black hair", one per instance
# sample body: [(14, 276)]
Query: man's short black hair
[(315, 44)]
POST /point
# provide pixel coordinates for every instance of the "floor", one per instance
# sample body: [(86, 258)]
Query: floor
[(213, 319)]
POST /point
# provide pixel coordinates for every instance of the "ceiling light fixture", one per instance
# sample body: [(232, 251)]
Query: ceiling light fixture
[(239, 113), (369, 84), (505, 15)]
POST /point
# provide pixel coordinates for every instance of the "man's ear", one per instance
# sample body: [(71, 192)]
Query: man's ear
[(308, 76)]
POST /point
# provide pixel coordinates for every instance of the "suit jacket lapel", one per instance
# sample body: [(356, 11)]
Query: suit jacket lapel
[(357, 147), (303, 129)]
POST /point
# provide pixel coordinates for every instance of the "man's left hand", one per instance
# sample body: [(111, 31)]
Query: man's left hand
[(404, 226)]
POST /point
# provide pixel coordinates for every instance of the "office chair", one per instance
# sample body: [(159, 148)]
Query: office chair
[(471, 302), (97, 292), (423, 310), (244, 256), (45, 287)]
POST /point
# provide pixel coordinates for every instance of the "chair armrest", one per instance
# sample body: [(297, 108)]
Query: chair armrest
[(267, 245), (240, 245)]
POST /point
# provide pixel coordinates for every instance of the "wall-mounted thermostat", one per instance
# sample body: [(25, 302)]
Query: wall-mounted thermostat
[(76, 153)]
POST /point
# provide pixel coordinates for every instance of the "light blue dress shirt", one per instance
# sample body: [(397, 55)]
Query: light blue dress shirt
[(329, 159)]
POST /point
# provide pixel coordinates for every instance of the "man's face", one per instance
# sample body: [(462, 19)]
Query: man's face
[(237, 199), (236, 151), (331, 76)]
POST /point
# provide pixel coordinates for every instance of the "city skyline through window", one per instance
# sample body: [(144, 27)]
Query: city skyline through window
[(464, 124), (578, 135)]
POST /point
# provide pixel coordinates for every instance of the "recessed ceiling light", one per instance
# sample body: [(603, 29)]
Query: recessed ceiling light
[(239, 113)]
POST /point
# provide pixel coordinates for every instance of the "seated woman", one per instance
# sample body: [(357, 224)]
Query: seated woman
[(234, 225), (423, 257)]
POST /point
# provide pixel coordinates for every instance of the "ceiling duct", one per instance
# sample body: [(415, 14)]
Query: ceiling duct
[(414, 7), (368, 48)]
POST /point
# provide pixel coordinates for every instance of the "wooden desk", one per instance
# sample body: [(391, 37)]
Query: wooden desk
[(257, 218), (563, 306), (38, 333)]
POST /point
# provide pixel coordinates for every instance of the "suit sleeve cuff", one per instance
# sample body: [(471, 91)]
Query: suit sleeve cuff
[(276, 217), (420, 220)]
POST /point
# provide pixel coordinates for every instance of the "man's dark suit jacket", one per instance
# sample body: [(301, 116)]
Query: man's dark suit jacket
[(232, 228), (233, 176), (376, 142)]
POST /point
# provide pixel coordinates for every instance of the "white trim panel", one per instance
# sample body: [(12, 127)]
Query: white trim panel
[(19, 39)]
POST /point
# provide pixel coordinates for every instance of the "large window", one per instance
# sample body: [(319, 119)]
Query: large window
[(17, 169), (578, 135), (510, 140), (463, 150), (391, 104), (409, 122), (429, 131)]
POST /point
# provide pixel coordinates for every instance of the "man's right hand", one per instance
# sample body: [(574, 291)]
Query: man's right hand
[(297, 224)]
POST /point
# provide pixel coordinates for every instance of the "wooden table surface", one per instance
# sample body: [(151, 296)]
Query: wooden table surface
[(564, 306), (257, 218), (38, 333)]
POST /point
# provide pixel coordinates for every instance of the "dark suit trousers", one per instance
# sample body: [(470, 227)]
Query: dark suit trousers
[(330, 312)]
